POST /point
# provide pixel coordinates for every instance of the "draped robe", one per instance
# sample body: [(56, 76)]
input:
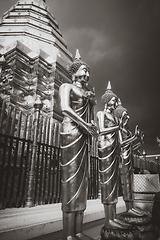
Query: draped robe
[(108, 164), (74, 165), (126, 172)]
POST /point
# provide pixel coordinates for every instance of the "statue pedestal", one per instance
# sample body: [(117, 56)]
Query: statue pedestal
[(143, 224), (141, 228), (132, 233)]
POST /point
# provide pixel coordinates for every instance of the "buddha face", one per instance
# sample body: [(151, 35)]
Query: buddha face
[(82, 75), (112, 103)]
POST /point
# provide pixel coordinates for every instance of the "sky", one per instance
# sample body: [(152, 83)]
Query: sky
[(120, 41)]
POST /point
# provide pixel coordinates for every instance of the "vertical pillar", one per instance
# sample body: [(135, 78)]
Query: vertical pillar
[(31, 175), (158, 168)]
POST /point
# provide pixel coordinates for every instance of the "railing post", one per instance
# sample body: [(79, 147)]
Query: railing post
[(158, 169), (31, 175), (144, 167)]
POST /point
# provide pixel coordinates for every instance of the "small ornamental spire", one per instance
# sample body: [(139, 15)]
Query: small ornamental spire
[(78, 56), (109, 86)]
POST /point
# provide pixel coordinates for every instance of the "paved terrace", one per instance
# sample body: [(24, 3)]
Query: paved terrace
[(45, 222)]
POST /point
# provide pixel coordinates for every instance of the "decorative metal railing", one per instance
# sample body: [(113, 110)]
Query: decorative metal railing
[(14, 167), (147, 162), (30, 159)]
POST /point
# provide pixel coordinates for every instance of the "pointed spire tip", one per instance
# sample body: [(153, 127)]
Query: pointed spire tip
[(109, 86), (77, 55)]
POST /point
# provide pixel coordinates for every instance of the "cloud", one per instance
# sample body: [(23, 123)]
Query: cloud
[(102, 49), (97, 46), (93, 42)]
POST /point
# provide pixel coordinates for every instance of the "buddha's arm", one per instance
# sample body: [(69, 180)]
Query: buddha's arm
[(127, 141), (136, 146), (139, 143), (102, 129)]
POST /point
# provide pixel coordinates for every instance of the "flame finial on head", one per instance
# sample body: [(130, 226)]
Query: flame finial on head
[(77, 56), (109, 86)]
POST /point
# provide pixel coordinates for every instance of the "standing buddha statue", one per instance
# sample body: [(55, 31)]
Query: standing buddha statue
[(108, 160), (76, 127), (108, 155), (126, 142)]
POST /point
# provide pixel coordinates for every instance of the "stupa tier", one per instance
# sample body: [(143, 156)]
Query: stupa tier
[(33, 57)]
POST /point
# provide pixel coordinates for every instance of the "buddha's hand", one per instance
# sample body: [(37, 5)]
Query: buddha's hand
[(89, 94), (93, 129), (142, 137), (137, 131)]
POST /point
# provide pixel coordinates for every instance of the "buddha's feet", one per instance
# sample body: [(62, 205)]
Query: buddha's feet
[(117, 224), (135, 217), (82, 236), (141, 220), (141, 211), (137, 213)]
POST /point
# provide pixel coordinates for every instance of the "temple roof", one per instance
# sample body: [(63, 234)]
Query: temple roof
[(32, 19)]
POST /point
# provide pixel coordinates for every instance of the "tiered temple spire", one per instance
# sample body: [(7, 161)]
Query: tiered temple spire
[(35, 57), (31, 18)]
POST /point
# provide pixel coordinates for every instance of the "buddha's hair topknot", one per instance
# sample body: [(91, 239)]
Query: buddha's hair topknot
[(73, 68), (107, 96), (119, 111)]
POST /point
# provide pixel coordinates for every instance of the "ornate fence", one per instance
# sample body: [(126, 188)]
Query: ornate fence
[(147, 162), (30, 159)]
